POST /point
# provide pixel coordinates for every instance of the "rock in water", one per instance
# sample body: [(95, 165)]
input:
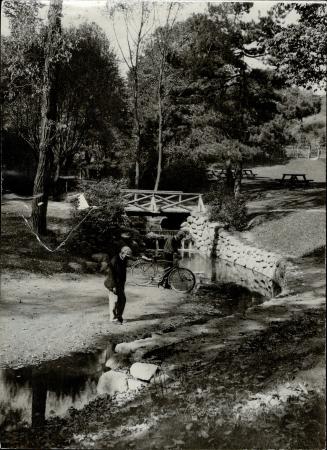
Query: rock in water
[(112, 382), (143, 371)]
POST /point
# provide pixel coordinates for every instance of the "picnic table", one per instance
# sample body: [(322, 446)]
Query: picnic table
[(294, 179), (248, 173), (217, 174)]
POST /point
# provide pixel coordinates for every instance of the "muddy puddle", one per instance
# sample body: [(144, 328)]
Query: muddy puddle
[(31, 395)]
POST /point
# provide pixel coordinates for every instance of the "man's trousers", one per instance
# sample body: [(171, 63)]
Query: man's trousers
[(117, 304)]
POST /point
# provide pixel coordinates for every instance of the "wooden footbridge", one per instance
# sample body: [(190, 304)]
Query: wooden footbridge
[(148, 202)]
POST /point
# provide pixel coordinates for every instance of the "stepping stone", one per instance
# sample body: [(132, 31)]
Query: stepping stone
[(112, 382), (143, 371)]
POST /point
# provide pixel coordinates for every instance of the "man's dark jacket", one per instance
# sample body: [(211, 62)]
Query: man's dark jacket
[(116, 274)]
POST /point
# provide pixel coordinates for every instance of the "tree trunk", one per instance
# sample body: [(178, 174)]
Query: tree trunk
[(137, 152), (159, 165), (138, 134), (160, 125), (42, 182), (230, 181), (55, 184), (137, 174), (238, 179)]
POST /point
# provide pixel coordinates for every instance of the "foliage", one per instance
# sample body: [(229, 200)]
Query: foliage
[(273, 137), (297, 104), (184, 175), (20, 67), (226, 208), (215, 105), (299, 50), (102, 228), (92, 105)]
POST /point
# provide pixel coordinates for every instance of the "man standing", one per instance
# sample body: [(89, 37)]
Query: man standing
[(170, 251), (172, 246), (115, 283)]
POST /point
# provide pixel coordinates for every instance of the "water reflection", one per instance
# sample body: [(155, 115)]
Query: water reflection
[(217, 270), (51, 389)]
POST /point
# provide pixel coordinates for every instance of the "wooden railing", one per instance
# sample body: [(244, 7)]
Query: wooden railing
[(162, 201)]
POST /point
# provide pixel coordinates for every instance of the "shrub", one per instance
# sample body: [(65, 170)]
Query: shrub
[(184, 175), (226, 208), (102, 229)]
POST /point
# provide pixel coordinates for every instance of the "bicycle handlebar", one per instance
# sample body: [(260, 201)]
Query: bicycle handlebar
[(155, 259)]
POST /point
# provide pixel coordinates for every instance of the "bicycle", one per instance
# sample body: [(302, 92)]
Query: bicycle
[(147, 271)]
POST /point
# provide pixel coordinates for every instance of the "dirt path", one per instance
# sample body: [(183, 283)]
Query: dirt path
[(43, 318)]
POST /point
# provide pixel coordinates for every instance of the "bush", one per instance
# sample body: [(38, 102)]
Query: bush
[(228, 209), (102, 229), (184, 175)]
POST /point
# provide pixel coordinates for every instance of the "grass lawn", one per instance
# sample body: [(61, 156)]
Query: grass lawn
[(314, 169), (295, 234)]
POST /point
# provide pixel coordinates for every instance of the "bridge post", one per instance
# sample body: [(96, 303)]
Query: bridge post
[(201, 207), (153, 205)]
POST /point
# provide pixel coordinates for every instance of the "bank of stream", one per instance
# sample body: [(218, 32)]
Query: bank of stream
[(228, 346)]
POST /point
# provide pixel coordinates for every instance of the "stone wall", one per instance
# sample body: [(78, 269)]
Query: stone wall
[(211, 239)]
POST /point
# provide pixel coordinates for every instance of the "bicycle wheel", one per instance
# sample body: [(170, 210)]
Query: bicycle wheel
[(143, 272), (181, 279)]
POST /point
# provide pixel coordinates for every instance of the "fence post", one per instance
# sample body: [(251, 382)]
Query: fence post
[(153, 205)]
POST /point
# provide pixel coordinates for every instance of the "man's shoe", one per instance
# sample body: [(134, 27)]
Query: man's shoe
[(115, 320)]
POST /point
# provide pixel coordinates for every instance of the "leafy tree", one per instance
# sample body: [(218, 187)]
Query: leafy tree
[(92, 104), (299, 50), (297, 104), (215, 104)]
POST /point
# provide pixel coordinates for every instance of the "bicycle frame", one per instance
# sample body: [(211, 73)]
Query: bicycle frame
[(153, 272), (166, 271)]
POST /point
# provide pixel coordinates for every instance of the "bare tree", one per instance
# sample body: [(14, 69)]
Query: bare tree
[(163, 44), (137, 25)]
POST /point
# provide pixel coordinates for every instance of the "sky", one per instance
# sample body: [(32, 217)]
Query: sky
[(76, 12)]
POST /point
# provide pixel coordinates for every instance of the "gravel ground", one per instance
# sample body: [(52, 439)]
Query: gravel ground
[(43, 318)]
